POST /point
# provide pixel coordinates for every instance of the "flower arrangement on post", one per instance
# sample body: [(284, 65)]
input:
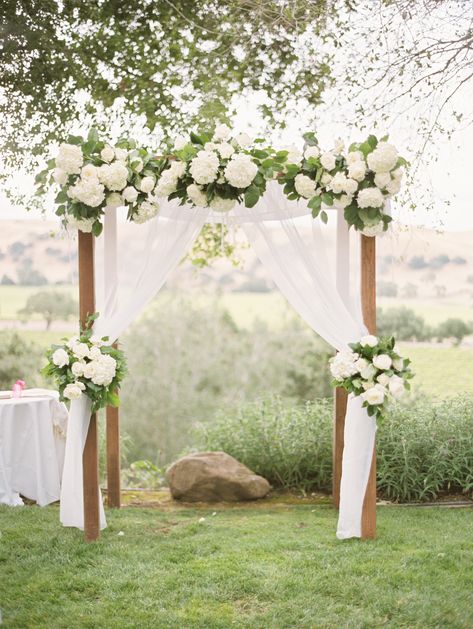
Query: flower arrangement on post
[(87, 365), (358, 181), (372, 369)]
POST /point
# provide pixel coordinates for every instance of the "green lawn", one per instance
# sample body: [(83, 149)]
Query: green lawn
[(244, 567), (14, 298)]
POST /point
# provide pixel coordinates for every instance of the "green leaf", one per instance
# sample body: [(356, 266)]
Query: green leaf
[(324, 216), (310, 138), (196, 139), (327, 199), (93, 135), (372, 141), (252, 195), (315, 203), (61, 197), (97, 228)]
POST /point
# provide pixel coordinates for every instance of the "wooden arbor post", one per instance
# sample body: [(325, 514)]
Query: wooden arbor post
[(90, 454), (368, 301)]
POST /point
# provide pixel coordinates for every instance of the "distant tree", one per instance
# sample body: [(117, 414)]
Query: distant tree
[(439, 261), (417, 262), (410, 290), (29, 276), (428, 277), (16, 249), (458, 260), (6, 280), (440, 290), (51, 305), (19, 359), (403, 323), (254, 285), (469, 279), (387, 289), (455, 329)]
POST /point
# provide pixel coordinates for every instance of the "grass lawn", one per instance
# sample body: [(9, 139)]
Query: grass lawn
[(256, 567)]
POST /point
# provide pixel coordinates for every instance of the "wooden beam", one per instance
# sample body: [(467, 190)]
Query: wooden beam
[(90, 454), (113, 457), (340, 395), (368, 302)]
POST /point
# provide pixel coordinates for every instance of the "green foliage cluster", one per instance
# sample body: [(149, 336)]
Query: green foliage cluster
[(423, 449), (19, 359), (51, 305)]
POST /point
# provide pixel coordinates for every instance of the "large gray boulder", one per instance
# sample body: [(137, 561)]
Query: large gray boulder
[(214, 477)]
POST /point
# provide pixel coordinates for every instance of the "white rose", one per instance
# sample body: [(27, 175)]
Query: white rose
[(394, 186), (383, 379), (77, 368), (325, 179), (114, 200), (225, 149), (354, 157), (72, 341), (167, 184), (369, 341), (311, 151), (89, 171), (113, 176), (398, 364), (398, 174), (343, 365), (373, 396), (240, 170), (146, 211), (357, 171), (96, 340), (130, 194), (373, 230), (196, 195), (342, 202), (294, 156), (73, 391), (147, 184), (339, 146), (60, 358), (368, 372), (368, 384), (177, 169), (243, 140), (80, 350), (382, 180), (94, 352), (70, 158), (351, 186), (222, 205), (382, 361), (328, 161), (338, 183), (180, 142), (383, 158), (222, 132), (204, 167), (370, 197), (60, 176), (121, 154), (305, 186), (396, 386), (107, 153), (211, 146), (361, 364)]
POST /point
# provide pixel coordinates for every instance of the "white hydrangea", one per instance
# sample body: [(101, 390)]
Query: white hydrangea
[(147, 184), (222, 205), (121, 154), (114, 200), (180, 142), (204, 167), (357, 171), (368, 372), (240, 170), (96, 340), (394, 186), (338, 183), (305, 186), (351, 186), (311, 151), (398, 364), (167, 184), (222, 133), (113, 176), (373, 230), (196, 195), (107, 153), (225, 149), (328, 161), (70, 158), (342, 202), (80, 350), (77, 368), (130, 194), (370, 197), (383, 158), (74, 390), (343, 365), (294, 156), (382, 180), (146, 211), (383, 379), (60, 176), (89, 171), (101, 370), (243, 140), (354, 157), (87, 191), (60, 357), (177, 169)]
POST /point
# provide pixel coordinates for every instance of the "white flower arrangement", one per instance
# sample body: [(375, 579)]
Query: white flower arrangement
[(218, 170), (87, 365), (373, 370)]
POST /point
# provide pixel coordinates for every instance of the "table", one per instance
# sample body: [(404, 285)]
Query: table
[(32, 443)]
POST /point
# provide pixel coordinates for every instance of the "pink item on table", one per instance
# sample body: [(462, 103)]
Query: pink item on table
[(18, 388)]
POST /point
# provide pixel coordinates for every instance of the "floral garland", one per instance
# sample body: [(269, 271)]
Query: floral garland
[(88, 365), (373, 370), (218, 171)]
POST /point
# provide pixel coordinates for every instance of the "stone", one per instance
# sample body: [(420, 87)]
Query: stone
[(214, 477)]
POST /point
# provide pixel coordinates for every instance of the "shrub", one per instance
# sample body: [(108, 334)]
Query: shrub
[(403, 323), (51, 305), (423, 449), (455, 329), (417, 262), (386, 289), (19, 359)]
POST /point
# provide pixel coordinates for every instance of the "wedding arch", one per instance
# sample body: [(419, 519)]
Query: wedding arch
[(227, 179)]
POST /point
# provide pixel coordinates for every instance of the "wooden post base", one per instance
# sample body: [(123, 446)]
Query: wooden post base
[(113, 458), (91, 483), (340, 403)]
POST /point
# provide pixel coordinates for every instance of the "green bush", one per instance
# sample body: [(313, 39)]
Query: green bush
[(424, 449), (403, 323), (19, 359)]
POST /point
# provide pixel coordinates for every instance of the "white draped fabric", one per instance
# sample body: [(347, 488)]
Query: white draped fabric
[(130, 273)]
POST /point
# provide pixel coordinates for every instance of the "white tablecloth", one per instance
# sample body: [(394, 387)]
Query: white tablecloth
[(32, 441)]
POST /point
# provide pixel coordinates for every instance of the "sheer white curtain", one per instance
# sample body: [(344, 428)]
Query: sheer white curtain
[(132, 264), (298, 263)]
